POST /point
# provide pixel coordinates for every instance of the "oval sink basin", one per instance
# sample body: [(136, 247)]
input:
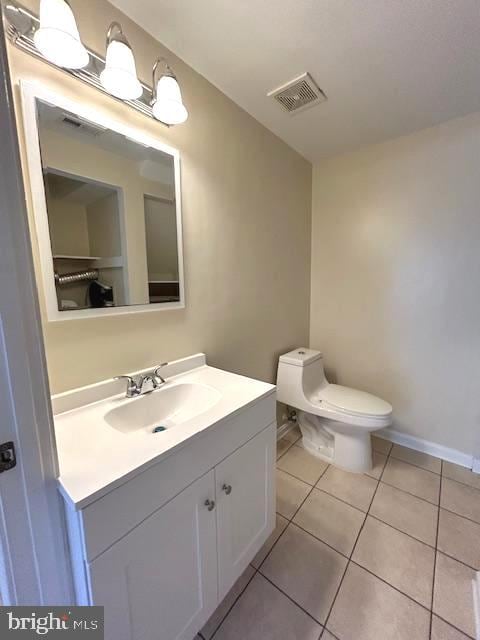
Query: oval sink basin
[(165, 407)]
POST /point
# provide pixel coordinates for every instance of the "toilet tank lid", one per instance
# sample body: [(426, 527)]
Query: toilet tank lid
[(301, 357)]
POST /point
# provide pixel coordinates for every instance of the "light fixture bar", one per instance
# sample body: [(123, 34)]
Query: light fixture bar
[(21, 26)]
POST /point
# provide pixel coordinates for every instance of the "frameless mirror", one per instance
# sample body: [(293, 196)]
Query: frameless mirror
[(111, 213)]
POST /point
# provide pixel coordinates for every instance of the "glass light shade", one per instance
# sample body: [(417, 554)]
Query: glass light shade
[(168, 107), (120, 74), (58, 39)]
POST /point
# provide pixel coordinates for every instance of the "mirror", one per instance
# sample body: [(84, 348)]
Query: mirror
[(110, 220)]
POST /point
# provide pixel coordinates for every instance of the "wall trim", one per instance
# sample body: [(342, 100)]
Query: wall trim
[(476, 602), (476, 465), (432, 448)]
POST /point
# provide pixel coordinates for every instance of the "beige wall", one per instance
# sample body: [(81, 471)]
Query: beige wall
[(396, 277), (68, 227), (246, 213), (161, 238)]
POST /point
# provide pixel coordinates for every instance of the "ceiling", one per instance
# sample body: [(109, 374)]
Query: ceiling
[(98, 137), (388, 67)]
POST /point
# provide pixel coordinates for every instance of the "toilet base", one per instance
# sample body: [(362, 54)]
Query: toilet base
[(349, 449)]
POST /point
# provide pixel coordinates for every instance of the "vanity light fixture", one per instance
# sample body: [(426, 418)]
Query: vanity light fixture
[(119, 76), (54, 37), (167, 104), (58, 38)]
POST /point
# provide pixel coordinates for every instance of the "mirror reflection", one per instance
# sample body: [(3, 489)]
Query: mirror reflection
[(112, 215)]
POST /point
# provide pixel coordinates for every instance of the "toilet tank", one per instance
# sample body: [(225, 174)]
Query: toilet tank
[(300, 373)]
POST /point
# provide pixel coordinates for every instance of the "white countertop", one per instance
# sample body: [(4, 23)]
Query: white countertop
[(94, 457)]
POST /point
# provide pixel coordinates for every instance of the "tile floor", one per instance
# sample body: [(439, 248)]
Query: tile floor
[(384, 556)]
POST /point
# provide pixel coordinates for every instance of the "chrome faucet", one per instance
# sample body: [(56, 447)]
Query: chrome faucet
[(144, 383), (156, 374)]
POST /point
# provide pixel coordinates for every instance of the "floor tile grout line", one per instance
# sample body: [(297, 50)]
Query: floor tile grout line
[(324, 625), (405, 533), (417, 466), (312, 535), (349, 504), (392, 586), (467, 635), (369, 515), (371, 572), (350, 560), (460, 515), (469, 486), (298, 478), (465, 564), (289, 521), (436, 551), (388, 484), (315, 486), (306, 497), (355, 544), (234, 603), (291, 599), (465, 484), (433, 504), (442, 473)]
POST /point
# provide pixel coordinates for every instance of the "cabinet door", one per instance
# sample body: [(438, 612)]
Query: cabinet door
[(160, 581), (245, 488)]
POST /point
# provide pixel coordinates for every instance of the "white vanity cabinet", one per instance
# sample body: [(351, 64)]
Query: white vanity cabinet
[(245, 511), (161, 550), (160, 581)]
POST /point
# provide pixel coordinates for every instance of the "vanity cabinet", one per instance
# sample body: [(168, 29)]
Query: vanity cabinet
[(245, 513), (161, 550), (160, 581)]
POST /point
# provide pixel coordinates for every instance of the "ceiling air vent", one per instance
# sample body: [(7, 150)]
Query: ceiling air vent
[(85, 126), (299, 94)]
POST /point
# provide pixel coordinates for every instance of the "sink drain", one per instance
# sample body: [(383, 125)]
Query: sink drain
[(159, 429)]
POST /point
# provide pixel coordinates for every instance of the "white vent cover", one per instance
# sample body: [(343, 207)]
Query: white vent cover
[(298, 94), (79, 124)]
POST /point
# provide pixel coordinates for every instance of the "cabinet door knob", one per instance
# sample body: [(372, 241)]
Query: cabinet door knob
[(210, 504), (227, 488)]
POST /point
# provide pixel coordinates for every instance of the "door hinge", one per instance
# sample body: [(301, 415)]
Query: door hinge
[(8, 458)]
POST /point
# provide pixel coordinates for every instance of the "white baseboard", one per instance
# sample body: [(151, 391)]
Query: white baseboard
[(476, 465), (476, 602), (285, 428), (434, 449)]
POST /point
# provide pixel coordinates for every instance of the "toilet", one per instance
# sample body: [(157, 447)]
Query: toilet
[(335, 421)]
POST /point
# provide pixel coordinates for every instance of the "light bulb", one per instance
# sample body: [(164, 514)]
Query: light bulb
[(119, 76), (168, 106), (58, 39)]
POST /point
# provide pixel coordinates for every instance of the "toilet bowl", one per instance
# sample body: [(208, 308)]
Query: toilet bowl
[(335, 421)]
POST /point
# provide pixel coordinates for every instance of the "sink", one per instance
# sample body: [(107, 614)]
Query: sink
[(103, 438), (166, 407)]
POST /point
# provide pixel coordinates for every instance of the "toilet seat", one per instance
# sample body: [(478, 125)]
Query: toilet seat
[(352, 402)]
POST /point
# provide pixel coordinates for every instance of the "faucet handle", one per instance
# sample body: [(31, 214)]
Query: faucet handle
[(156, 373), (132, 386)]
